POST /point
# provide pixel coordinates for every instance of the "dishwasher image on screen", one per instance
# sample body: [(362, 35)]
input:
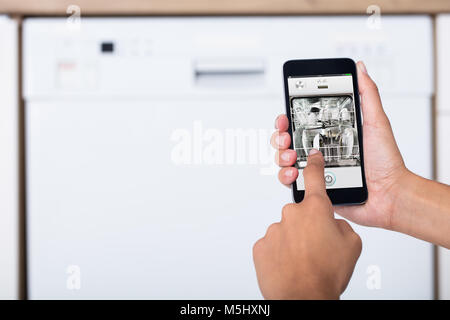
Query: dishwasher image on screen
[(327, 124), (323, 116)]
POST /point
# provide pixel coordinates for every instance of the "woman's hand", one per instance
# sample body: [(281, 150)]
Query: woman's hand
[(309, 254), (384, 167)]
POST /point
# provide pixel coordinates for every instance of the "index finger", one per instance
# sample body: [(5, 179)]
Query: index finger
[(313, 174)]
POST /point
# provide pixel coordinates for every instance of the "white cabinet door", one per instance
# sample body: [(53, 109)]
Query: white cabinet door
[(9, 236), (443, 133)]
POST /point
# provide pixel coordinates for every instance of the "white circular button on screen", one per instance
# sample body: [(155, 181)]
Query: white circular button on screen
[(330, 178), (299, 84)]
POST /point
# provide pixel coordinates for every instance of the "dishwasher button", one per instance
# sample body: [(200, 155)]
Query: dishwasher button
[(330, 178)]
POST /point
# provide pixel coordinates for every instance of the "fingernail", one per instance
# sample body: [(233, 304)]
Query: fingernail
[(313, 151), (285, 156), (276, 122), (279, 140), (362, 67), (289, 172)]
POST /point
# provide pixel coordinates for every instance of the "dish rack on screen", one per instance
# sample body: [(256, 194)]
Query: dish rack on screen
[(329, 125)]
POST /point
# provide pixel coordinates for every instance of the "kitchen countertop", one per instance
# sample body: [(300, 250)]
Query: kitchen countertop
[(220, 7)]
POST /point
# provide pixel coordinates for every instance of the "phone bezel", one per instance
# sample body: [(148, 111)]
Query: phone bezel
[(324, 67)]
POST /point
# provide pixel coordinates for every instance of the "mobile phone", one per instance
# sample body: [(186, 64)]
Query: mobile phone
[(323, 108)]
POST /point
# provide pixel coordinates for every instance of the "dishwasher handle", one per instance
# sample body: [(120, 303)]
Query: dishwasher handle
[(228, 67)]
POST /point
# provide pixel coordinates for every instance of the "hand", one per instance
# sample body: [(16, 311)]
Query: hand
[(384, 167), (309, 254)]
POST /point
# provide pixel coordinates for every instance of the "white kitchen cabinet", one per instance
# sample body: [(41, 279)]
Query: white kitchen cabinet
[(443, 133), (9, 170)]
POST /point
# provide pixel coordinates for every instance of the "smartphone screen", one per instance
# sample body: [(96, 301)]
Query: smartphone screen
[(322, 105), (323, 117)]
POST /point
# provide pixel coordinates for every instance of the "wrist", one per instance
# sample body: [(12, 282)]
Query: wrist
[(403, 192), (422, 210)]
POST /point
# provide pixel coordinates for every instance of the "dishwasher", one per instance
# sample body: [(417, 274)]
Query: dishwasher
[(148, 165)]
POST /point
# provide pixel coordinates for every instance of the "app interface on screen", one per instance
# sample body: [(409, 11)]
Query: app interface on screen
[(324, 117)]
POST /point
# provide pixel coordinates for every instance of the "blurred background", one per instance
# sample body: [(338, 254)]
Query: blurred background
[(135, 156)]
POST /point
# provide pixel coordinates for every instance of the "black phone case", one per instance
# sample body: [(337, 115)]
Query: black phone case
[(324, 67)]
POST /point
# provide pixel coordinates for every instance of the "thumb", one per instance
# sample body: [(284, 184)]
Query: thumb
[(370, 98), (313, 174)]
